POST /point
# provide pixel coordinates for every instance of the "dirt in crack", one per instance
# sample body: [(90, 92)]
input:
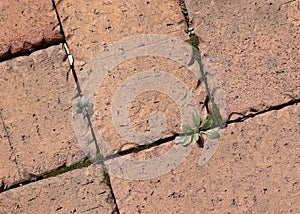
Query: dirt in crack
[(243, 117)]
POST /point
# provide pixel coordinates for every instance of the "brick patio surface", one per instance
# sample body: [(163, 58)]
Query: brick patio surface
[(132, 60)]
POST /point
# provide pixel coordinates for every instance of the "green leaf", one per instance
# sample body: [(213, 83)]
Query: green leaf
[(79, 110), (90, 111), (186, 128), (85, 113), (196, 137), (79, 105), (179, 139), (211, 134), (196, 119), (196, 130), (187, 140), (207, 123)]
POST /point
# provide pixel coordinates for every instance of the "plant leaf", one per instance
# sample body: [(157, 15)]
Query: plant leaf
[(79, 110), (207, 123), (196, 119), (211, 134), (179, 139), (78, 105), (85, 113), (196, 137), (187, 140), (196, 130), (186, 128), (90, 112), (83, 101)]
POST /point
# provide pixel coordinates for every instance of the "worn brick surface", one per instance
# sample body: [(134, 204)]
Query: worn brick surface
[(255, 170), (26, 26), (253, 47), (79, 191), (91, 25), (36, 100), (146, 103), (8, 167)]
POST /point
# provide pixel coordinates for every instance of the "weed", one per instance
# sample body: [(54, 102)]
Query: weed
[(84, 107), (201, 127)]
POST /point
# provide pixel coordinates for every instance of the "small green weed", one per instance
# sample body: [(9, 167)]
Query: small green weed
[(201, 127), (84, 107)]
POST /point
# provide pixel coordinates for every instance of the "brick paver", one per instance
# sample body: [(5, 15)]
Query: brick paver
[(27, 26), (36, 108), (253, 49), (91, 25)]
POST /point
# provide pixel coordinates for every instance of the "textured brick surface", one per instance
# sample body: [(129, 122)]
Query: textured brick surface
[(8, 168), (79, 191), (253, 47), (26, 26), (255, 170), (91, 25), (36, 100), (149, 102), (250, 51)]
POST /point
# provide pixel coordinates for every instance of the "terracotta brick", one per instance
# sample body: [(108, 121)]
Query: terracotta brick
[(36, 105), (27, 26), (252, 48), (92, 25)]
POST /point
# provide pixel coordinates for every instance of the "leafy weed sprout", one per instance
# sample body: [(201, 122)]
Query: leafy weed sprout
[(84, 107), (201, 127)]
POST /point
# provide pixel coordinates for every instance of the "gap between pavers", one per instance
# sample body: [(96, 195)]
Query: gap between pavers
[(253, 48), (79, 191), (36, 103), (255, 169)]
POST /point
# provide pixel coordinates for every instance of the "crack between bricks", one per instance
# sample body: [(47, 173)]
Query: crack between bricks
[(252, 115), (28, 52), (99, 155), (59, 21), (185, 13), (194, 41), (87, 162), (60, 170)]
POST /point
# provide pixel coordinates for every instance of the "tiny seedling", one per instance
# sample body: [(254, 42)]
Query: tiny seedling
[(84, 107), (201, 127)]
